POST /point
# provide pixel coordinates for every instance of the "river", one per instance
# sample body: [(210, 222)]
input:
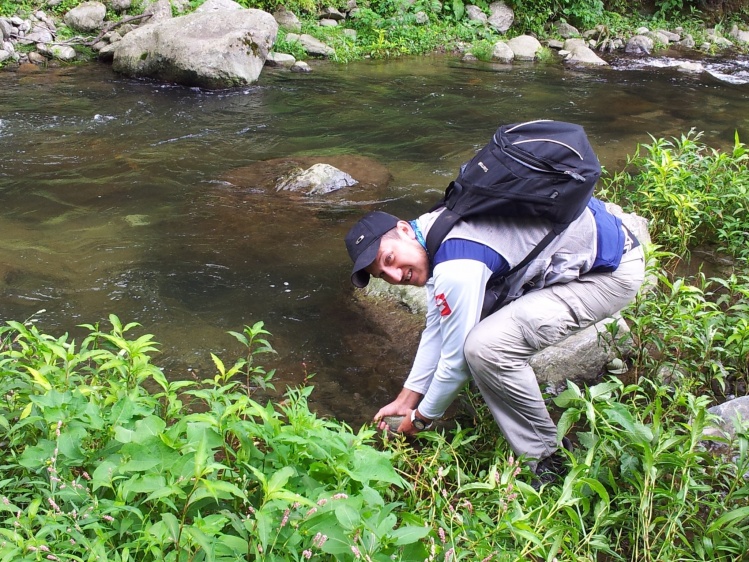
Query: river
[(115, 197)]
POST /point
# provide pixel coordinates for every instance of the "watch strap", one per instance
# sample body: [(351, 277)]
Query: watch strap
[(419, 423)]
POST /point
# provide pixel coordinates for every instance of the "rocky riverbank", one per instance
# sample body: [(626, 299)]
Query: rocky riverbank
[(209, 47)]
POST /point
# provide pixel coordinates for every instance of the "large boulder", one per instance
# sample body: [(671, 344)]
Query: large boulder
[(86, 17), (211, 49), (524, 47)]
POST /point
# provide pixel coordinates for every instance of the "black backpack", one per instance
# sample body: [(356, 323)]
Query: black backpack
[(539, 168)]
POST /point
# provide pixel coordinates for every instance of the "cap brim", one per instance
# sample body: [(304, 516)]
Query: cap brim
[(359, 277)]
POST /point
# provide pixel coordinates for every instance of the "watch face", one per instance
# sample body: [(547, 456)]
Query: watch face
[(419, 424)]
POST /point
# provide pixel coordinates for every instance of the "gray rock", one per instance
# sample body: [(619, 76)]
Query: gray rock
[(86, 17), (5, 28), (565, 30), (327, 23), (421, 18), (576, 51), (501, 16), (722, 42), (733, 416), (211, 49), (639, 44), (670, 35), (502, 52), (739, 34), (582, 356), (37, 58), (300, 66), (218, 6), (413, 298), (160, 10), (658, 37), (475, 13), (687, 42), (106, 53), (287, 20), (119, 6), (311, 45), (280, 59), (525, 47), (5, 55), (63, 52), (318, 179), (39, 34), (331, 13)]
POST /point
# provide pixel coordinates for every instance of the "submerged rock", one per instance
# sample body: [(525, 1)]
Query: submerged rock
[(319, 179)]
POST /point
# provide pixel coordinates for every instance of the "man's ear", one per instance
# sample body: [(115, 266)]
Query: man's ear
[(405, 228)]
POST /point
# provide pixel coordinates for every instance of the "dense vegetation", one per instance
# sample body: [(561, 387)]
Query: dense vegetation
[(390, 28), (103, 457)]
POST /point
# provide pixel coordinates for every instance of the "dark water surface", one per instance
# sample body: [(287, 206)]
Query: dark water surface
[(120, 196)]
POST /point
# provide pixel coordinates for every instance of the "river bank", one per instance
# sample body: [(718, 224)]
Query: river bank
[(80, 32)]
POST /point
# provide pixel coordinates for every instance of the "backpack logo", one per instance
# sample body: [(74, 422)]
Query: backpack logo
[(442, 305), (483, 167)]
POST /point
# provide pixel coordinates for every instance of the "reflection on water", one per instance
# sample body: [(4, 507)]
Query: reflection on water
[(151, 201)]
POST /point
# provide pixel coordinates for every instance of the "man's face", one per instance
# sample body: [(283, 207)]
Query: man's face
[(401, 260)]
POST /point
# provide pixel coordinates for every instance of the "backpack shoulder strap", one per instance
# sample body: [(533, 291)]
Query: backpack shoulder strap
[(442, 225), (496, 284)]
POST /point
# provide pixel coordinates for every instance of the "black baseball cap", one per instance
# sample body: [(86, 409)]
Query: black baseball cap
[(363, 242)]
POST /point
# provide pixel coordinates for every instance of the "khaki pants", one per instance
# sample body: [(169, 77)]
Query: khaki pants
[(499, 348)]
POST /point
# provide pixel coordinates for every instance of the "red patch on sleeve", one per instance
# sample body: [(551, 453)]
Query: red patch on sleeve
[(441, 301)]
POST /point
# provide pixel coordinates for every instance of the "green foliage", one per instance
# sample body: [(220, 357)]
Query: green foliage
[(691, 194), (483, 50), (14, 7), (97, 467)]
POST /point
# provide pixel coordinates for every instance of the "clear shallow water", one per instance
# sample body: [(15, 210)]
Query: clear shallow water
[(150, 201)]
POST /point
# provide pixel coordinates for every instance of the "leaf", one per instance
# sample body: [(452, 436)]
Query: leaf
[(104, 473), (409, 534), (279, 479), (26, 412), (216, 489), (206, 543), (39, 378), (219, 364), (347, 516), (370, 464), (172, 525), (639, 433)]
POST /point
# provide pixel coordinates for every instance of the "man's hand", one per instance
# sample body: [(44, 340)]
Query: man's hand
[(407, 400)]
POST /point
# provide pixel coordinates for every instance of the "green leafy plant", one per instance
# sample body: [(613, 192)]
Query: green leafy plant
[(96, 466), (691, 193)]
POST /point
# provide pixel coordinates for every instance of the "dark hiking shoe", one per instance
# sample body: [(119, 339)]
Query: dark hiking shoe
[(553, 467)]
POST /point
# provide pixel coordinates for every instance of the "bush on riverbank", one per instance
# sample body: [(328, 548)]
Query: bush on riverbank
[(103, 458)]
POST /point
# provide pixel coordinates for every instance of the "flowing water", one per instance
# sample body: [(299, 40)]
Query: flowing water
[(153, 201)]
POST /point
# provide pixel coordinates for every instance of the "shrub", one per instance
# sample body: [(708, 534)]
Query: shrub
[(96, 467)]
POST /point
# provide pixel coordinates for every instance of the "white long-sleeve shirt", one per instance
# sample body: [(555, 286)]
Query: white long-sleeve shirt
[(440, 370)]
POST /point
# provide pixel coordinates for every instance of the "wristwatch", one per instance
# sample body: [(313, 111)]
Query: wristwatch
[(418, 423)]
